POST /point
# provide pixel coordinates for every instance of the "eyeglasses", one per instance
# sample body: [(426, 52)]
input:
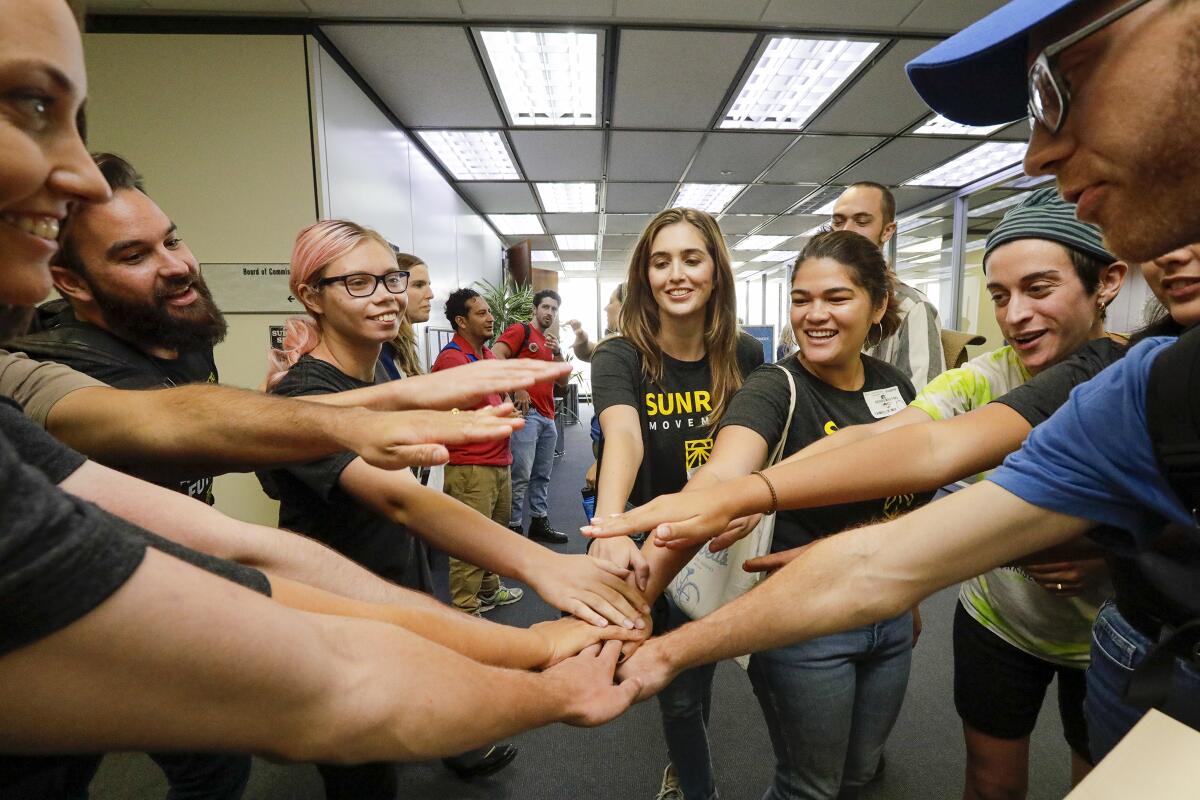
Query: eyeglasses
[(364, 284), (1049, 94)]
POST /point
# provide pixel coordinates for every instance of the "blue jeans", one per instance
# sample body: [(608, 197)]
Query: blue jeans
[(1117, 649), (685, 704), (533, 461), (830, 704)]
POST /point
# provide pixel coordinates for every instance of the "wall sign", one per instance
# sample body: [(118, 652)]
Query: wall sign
[(251, 288)]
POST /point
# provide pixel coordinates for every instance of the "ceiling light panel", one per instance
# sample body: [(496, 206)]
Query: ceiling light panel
[(546, 77), (775, 256), (976, 163), (543, 255), (579, 266), (999, 205), (472, 155), (516, 224), (820, 203), (792, 79), (710, 197), (568, 198), (576, 241), (760, 242), (940, 126)]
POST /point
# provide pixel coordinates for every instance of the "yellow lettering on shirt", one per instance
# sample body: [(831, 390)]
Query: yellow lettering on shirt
[(703, 401), (667, 403), (696, 452)]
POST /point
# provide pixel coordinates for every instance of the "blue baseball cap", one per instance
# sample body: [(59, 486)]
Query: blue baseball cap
[(979, 75)]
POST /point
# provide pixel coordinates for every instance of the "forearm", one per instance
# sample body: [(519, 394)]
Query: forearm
[(180, 659), (201, 429), (583, 350), (873, 573), (843, 437), (618, 470), (477, 639)]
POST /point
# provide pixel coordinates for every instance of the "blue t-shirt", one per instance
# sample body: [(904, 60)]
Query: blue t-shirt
[(1094, 459)]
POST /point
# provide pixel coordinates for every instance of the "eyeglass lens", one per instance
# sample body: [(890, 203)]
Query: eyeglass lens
[(364, 285), (1045, 102)]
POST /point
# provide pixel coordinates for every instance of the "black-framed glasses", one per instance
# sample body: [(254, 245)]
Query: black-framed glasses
[(1049, 94), (364, 284)]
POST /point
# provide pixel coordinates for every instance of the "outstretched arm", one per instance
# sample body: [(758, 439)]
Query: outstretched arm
[(180, 659), (860, 576), (591, 589), (205, 429)]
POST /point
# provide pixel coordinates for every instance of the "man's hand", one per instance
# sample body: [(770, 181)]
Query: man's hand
[(470, 384), (585, 684), (1066, 578), (552, 343), (566, 637), (623, 552), (680, 520), (521, 398), (396, 439), (649, 668), (593, 589)]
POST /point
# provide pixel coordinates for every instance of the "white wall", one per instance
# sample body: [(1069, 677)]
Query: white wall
[(371, 173)]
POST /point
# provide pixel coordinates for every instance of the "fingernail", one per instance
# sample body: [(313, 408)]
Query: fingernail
[(641, 623), (627, 624)]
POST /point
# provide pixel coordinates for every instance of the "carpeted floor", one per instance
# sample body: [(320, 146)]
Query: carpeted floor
[(625, 759)]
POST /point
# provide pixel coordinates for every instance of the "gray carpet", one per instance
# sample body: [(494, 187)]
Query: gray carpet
[(625, 759)]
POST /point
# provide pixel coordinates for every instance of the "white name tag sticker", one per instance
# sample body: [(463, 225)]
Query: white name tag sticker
[(884, 402)]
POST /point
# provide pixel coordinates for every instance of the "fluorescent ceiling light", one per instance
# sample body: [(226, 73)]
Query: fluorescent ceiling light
[(749, 275), (760, 242), (472, 155), (792, 79), (976, 163), (820, 202), (776, 255), (545, 77), (930, 245), (978, 244), (570, 198), (924, 259), (941, 126), (516, 224), (710, 197), (579, 266), (576, 241), (736, 264), (543, 255), (999, 205)]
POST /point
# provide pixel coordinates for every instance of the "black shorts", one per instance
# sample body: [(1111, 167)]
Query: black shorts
[(999, 689)]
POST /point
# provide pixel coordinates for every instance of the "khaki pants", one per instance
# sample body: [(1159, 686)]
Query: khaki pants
[(488, 490)]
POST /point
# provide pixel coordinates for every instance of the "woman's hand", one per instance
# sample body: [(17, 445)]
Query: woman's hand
[(623, 552), (469, 385), (567, 636), (1066, 578), (684, 519), (596, 590), (395, 439), (581, 336)]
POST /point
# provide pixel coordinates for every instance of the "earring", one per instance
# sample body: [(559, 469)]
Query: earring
[(878, 341)]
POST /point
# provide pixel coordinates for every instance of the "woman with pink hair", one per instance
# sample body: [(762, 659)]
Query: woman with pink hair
[(348, 280)]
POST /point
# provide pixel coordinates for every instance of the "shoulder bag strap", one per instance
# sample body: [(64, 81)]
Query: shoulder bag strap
[(777, 453)]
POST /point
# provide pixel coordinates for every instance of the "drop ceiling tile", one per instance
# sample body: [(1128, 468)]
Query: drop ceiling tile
[(219, 6), (742, 223), (622, 242), (844, 14), (387, 9), (736, 157), (638, 198), (675, 79), (410, 66), (507, 197), (537, 242), (650, 156), (572, 223), (626, 223), (902, 158), (1017, 132), (668, 11), (559, 155), (538, 9), (577, 255), (912, 196), (881, 100), (793, 224), (769, 199), (949, 16), (815, 159)]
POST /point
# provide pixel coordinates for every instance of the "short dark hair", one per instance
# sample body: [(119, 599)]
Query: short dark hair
[(543, 294), (888, 200), (867, 267), (456, 305), (119, 174)]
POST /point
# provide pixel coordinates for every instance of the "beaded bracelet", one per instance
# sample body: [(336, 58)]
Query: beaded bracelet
[(774, 497)]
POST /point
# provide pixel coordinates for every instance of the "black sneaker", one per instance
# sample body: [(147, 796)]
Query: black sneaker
[(473, 765), (516, 529), (540, 531)]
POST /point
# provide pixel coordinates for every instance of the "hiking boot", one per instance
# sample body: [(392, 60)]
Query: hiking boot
[(540, 531)]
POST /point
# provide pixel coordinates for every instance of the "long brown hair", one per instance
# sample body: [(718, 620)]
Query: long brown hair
[(640, 321), (405, 343)]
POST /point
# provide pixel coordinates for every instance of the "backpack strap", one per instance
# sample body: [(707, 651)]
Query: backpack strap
[(454, 346)]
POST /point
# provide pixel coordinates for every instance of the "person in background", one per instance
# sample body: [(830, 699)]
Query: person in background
[(869, 209), (659, 387), (582, 346), (533, 445), (399, 357)]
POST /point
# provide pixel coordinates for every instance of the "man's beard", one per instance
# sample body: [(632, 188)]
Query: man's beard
[(151, 324)]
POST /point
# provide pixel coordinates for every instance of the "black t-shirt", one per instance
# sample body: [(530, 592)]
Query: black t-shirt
[(762, 406), (673, 414), (1040, 396), (57, 462), (312, 501)]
